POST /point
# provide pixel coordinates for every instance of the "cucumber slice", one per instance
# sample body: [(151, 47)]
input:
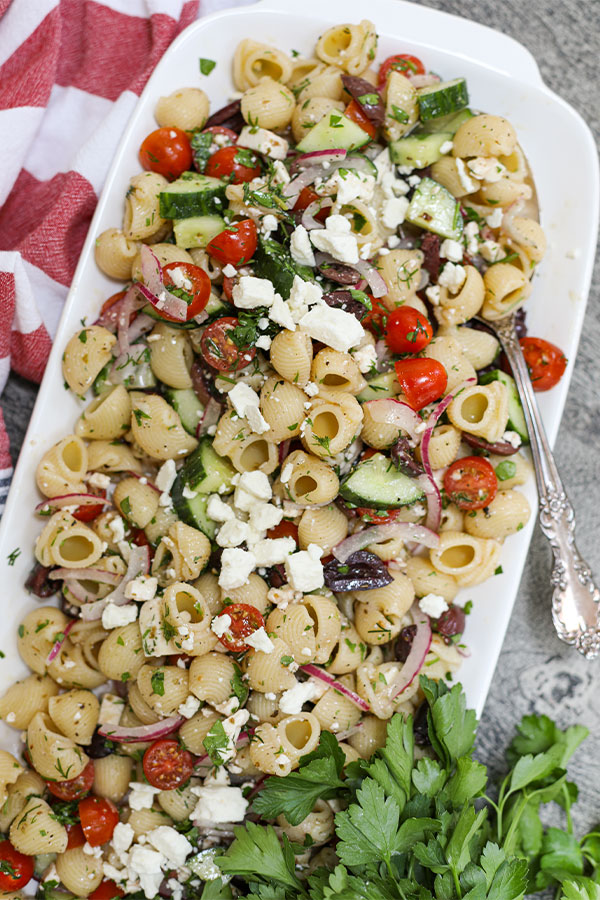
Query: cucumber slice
[(193, 194), (419, 150), (185, 402), (378, 484), (449, 123), (216, 309), (442, 98), (101, 382), (197, 231), (516, 418), (367, 167), (334, 131), (272, 261), (384, 385), (434, 208), (150, 310), (204, 472)]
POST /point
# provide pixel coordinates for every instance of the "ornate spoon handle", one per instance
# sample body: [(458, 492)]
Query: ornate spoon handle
[(575, 597)]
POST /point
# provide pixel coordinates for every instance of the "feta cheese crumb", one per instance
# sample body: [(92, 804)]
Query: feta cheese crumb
[(117, 528), (260, 640), (263, 141), (292, 700), (491, 251), (281, 314), (189, 708), (232, 533), (115, 616), (251, 292), (272, 551), (141, 588), (452, 277), (446, 147), (336, 239), (393, 212), (236, 566), (166, 476), (300, 248), (334, 327), (494, 220), (188, 493), (512, 438), (467, 183), (252, 486), (245, 402), (219, 803), (98, 480), (173, 845), (221, 624), (304, 569), (111, 710), (365, 357), (433, 605), (142, 795), (451, 250), (217, 510), (433, 294), (229, 271)]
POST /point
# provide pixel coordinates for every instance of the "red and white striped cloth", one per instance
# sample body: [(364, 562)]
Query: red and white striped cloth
[(71, 72)]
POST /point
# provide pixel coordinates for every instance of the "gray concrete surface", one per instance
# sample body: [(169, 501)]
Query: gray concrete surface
[(536, 673)]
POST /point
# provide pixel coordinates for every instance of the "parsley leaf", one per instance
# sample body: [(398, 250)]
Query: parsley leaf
[(206, 65), (257, 854), (215, 741)]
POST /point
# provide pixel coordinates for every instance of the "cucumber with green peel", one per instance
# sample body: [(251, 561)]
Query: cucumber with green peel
[(449, 123), (334, 131), (193, 194), (378, 484), (383, 385), (186, 404), (516, 417), (197, 231), (442, 99), (101, 382), (435, 209), (419, 150), (194, 512), (203, 473), (359, 161)]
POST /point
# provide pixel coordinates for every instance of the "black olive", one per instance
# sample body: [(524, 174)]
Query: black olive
[(450, 623), (99, 747), (404, 643), (420, 728)]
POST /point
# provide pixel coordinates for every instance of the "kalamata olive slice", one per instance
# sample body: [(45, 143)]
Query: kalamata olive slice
[(500, 448), (430, 248), (420, 727), (451, 622), (362, 571), (39, 583), (369, 98), (229, 115), (344, 300), (402, 457), (404, 642), (99, 747), (339, 273)]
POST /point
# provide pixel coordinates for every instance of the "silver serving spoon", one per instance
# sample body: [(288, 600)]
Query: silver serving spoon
[(575, 597)]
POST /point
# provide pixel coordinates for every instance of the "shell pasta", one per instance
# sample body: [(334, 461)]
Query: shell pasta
[(294, 453)]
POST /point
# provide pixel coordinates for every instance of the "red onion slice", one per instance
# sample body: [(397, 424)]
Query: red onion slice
[(137, 733), (378, 286), (415, 659), (211, 415), (317, 157), (151, 270), (308, 216), (406, 531), (434, 501), (99, 575), (342, 735), (389, 411), (147, 481), (139, 564), (63, 500), (166, 303), (128, 306), (142, 324), (283, 450), (58, 644), (322, 675)]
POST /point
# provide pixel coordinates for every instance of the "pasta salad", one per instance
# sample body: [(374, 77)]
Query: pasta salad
[(297, 449)]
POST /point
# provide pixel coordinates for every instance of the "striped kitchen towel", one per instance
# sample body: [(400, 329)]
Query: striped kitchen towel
[(71, 72)]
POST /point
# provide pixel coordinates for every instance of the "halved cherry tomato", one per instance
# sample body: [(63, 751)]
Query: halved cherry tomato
[(75, 836), (305, 198), (111, 301), (228, 283), (87, 513), (220, 351), (16, 869), (355, 112), (197, 297), (99, 817), (376, 318), (167, 765), (471, 482), (236, 245), (74, 788), (284, 529), (166, 151), (236, 161), (422, 380), (221, 129), (407, 330), (245, 619), (378, 516), (404, 63), (106, 890), (546, 362)]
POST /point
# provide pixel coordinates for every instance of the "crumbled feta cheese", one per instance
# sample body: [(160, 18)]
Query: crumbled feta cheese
[(311, 389), (11, 717), (189, 708), (92, 851), (393, 212), (252, 486), (491, 251), (141, 588), (281, 314), (236, 566), (272, 551), (245, 402), (286, 473), (280, 173), (111, 709), (166, 476), (303, 295), (467, 183), (351, 186), (219, 803), (263, 343), (217, 510), (173, 845), (122, 837), (365, 357), (117, 528), (512, 438), (433, 294), (263, 141), (292, 700), (115, 616), (451, 250), (264, 516), (471, 235), (486, 168), (304, 569), (98, 480), (334, 327), (251, 292), (232, 533), (393, 241), (229, 271), (142, 795), (494, 220), (268, 224), (260, 640), (188, 493), (452, 276), (446, 147), (433, 605), (300, 248), (337, 239), (146, 864)]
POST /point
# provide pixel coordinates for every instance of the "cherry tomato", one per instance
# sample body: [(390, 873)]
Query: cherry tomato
[(87, 513), (471, 482), (236, 245), (16, 869), (379, 516), (546, 362), (245, 619), (220, 351), (236, 161), (422, 380), (284, 529), (355, 112), (75, 836), (200, 290), (166, 151), (167, 765), (305, 198), (98, 819), (376, 318), (228, 283), (74, 788), (111, 301), (106, 890), (407, 330), (221, 129), (401, 62)]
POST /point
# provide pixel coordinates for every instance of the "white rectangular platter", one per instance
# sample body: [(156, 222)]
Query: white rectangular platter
[(502, 78)]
